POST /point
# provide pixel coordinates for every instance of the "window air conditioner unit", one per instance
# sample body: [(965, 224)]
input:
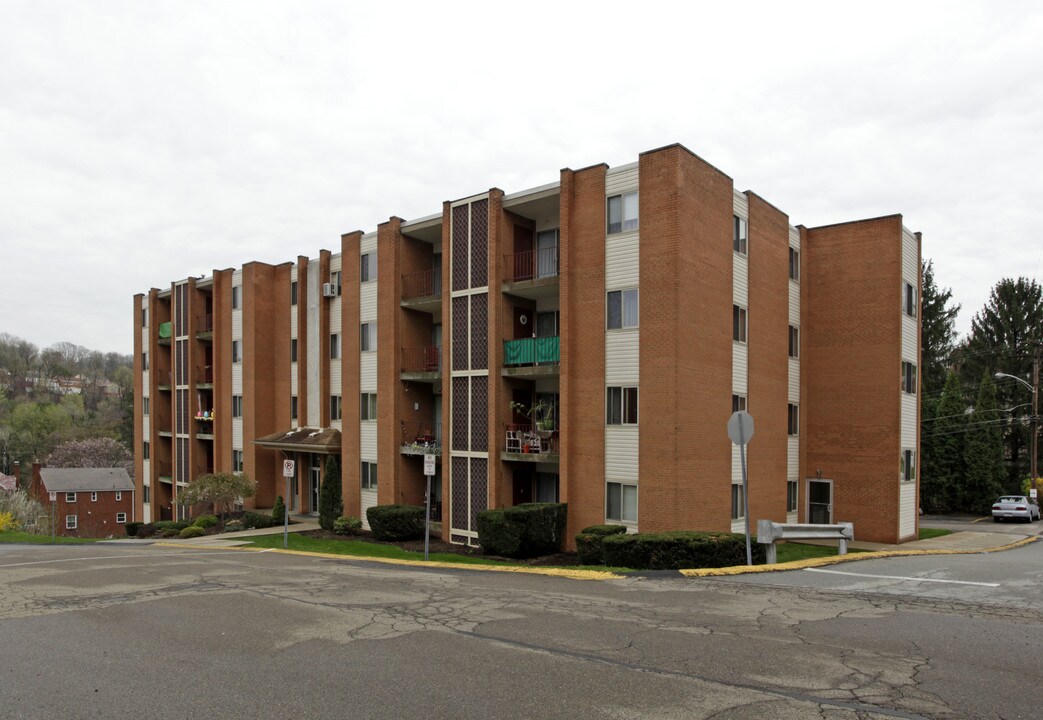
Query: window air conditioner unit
[(329, 290)]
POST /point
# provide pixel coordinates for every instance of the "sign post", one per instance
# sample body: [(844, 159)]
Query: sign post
[(429, 471), (53, 497), (740, 430), (287, 472)]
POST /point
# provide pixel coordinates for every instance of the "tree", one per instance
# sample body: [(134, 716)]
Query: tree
[(279, 509), (331, 503), (938, 334), (942, 455), (218, 489), (92, 453), (36, 429), (983, 453)]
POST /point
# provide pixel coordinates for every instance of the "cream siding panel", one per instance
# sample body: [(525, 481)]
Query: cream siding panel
[(145, 429), (740, 279), (622, 357), (794, 237), (792, 458), (621, 453), (739, 526), (368, 243), (622, 268), (908, 421), (237, 433), (293, 321), (368, 302), (337, 424), (145, 383), (368, 372), (368, 440), (740, 205), (621, 179), (335, 377), (736, 464), (793, 395), (146, 513), (791, 517), (907, 510), (237, 324), (910, 257), (369, 499), (794, 304), (909, 338), (293, 378), (740, 368), (237, 378)]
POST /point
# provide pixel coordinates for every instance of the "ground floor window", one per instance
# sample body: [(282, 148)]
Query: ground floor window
[(546, 487), (738, 506), (621, 502), (70, 522), (368, 474), (121, 517), (791, 496)]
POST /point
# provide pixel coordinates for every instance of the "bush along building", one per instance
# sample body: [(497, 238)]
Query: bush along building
[(584, 341)]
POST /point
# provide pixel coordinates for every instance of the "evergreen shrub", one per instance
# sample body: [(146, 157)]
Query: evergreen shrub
[(588, 542), (523, 531), (678, 549), (192, 531), (396, 522)]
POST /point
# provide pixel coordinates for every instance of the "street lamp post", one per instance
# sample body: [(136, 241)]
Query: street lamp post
[(1034, 437)]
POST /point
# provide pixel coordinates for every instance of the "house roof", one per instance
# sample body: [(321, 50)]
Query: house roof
[(85, 479), (305, 439)]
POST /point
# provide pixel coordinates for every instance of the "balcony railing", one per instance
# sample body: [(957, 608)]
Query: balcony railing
[(421, 438), (421, 359), (527, 439), (531, 264), (532, 351), (207, 324), (426, 283)]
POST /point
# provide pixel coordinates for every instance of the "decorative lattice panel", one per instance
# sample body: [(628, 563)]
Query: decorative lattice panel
[(479, 489), (459, 415), (480, 414), (480, 331), (459, 317), (458, 493), (480, 243), (460, 246)]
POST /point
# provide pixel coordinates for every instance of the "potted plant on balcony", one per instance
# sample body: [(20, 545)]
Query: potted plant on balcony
[(541, 415)]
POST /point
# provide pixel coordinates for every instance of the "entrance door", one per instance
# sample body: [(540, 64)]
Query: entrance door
[(522, 486), (314, 481), (820, 502)]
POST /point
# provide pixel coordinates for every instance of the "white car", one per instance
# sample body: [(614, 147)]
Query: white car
[(1015, 506)]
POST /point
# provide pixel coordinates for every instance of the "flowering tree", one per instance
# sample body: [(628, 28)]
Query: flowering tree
[(218, 489), (92, 453)]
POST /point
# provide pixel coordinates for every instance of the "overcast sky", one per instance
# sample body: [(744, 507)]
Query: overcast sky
[(142, 142)]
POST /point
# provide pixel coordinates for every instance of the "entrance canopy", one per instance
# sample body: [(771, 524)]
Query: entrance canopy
[(311, 440)]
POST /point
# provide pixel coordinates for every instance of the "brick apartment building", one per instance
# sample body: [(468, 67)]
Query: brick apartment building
[(634, 307), (88, 502)]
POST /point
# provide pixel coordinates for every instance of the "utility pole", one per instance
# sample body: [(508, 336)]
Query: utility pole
[(1034, 460)]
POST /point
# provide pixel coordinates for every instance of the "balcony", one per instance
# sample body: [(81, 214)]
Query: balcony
[(532, 273), (421, 364), (420, 438), (165, 332), (423, 291), (532, 357), (206, 332), (525, 443), (206, 378)]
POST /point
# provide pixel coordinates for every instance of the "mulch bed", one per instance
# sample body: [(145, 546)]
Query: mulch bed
[(438, 546)]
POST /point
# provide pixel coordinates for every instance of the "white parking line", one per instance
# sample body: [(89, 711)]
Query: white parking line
[(899, 577)]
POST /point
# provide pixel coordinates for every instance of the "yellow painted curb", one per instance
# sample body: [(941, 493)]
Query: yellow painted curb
[(553, 572)]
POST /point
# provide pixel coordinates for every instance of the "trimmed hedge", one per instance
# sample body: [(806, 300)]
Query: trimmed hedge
[(205, 521), (523, 531), (588, 542), (347, 525), (165, 525), (396, 522), (252, 519), (192, 531), (678, 549), (132, 528)]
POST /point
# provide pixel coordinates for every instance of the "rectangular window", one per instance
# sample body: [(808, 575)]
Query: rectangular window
[(368, 337), (739, 235), (334, 346), (144, 317), (70, 497), (237, 406), (293, 407), (121, 517), (293, 293), (237, 351), (791, 496), (119, 495), (335, 412), (368, 406), (144, 450), (146, 494), (908, 470), (794, 265), (368, 267), (909, 300), (622, 309), (738, 324), (335, 281), (94, 497), (368, 474), (144, 405), (70, 522), (622, 213), (237, 461), (621, 502), (794, 342), (793, 422), (908, 378), (738, 506), (237, 292), (144, 361), (621, 406), (738, 403), (293, 350)]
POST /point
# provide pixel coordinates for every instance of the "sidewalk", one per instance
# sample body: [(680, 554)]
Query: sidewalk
[(959, 541), (300, 523)]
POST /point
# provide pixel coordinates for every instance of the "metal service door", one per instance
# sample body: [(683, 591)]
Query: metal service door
[(820, 502)]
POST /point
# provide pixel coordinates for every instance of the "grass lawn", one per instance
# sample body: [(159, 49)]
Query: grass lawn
[(933, 532), (788, 552), (24, 537)]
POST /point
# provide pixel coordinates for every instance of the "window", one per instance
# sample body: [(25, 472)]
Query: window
[(335, 281), (622, 309), (794, 265), (70, 522), (546, 487), (293, 293), (94, 497), (622, 213), (908, 378), (738, 403), (908, 465), (794, 342), (738, 506), (293, 407), (335, 407), (368, 337), (70, 497), (739, 235), (334, 346), (793, 423), (368, 407), (293, 350), (621, 406), (237, 351), (909, 300), (144, 361), (119, 495), (738, 324), (237, 406), (237, 461), (237, 291), (144, 450), (121, 517), (146, 494), (368, 267), (791, 496), (144, 317), (368, 475), (621, 502), (144, 405)]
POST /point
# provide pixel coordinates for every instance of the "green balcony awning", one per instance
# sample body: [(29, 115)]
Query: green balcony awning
[(532, 351), (164, 330)]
